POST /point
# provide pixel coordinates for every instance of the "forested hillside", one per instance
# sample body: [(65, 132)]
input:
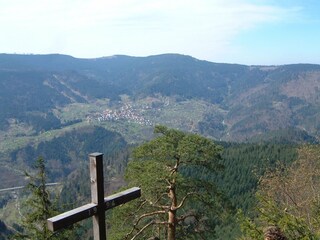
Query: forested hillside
[(64, 154), (245, 101), (63, 108)]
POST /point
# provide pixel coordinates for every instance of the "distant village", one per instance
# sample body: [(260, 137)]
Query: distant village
[(126, 113)]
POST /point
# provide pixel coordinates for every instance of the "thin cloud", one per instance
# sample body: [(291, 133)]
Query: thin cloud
[(83, 28)]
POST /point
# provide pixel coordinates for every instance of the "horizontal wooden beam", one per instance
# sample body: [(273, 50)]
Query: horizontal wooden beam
[(121, 197), (73, 216), (68, 218)]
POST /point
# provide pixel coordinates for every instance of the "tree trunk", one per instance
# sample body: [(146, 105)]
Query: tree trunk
[(172, 225), (172, 217)]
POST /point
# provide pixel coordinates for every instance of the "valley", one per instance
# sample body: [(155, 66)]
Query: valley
[(142, 114), (63, 108)]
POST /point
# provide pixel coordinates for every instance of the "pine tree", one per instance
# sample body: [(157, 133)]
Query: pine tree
[(39, 207), (178, 199)]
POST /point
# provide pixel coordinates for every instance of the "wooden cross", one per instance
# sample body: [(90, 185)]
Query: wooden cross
[(99, 204)]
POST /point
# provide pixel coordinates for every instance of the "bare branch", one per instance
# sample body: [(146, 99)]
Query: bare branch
[(168, 182), (137, 210), (148, 215), (164, 207), (140, 231), (184, 200), (141, 205), (175, 168), (142, 217), (161, 223), (154, 204)]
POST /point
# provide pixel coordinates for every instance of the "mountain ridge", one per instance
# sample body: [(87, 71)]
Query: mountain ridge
[(252, 99)]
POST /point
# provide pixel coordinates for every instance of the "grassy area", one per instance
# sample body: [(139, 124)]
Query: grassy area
[(161, 110), (10, 143), (184, 115), (77, 111), (132, 132), (19, 135)]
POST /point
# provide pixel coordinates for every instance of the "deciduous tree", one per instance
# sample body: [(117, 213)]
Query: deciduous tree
[(289, 199)]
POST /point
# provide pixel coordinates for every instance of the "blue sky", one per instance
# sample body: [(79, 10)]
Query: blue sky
[(253, 32)]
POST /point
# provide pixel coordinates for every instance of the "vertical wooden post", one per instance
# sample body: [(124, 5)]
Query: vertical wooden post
[(99, 204), (97, 195)]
